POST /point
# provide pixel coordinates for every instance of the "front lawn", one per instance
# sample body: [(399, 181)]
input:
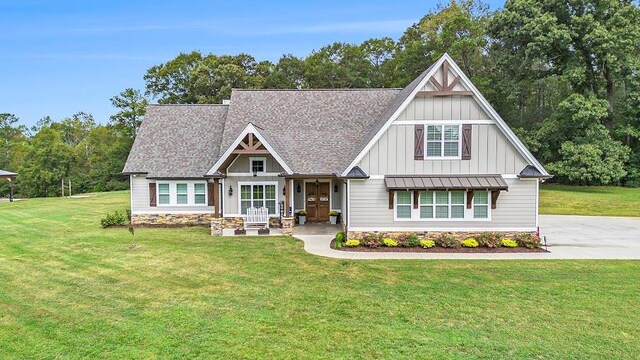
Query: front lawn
[(70, 289), (589, 200)]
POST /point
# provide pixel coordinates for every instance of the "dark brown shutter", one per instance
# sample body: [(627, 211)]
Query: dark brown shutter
[(390, 199), (211, 194), (416, 195), (418, 145), (152, 195), (466, 142)]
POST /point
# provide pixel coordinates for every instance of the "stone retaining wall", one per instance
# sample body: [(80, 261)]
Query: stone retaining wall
[(172, 219)]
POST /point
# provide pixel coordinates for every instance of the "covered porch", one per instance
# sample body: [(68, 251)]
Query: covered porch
[(314, 199)]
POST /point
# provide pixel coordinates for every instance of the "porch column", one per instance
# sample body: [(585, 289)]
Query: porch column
[(216, 197), (287, 192)]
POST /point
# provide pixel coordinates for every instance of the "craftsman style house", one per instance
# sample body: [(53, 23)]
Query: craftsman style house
[(434, 156)]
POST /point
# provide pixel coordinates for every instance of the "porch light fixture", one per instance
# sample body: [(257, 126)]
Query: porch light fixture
[(284, 190), (230, 191), (335, 188), (298, 188), (317, 182)]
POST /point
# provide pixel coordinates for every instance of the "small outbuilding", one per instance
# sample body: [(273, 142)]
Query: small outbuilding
[(10, 177)]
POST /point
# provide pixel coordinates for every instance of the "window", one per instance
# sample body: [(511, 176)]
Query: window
[(403, 204), (163, 194), (182, 197), (481, 205), (199, 197), (442, 204), (443, 141), (257, 165), (258, 195)]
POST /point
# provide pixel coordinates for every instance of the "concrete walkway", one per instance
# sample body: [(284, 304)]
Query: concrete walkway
[(568, 237)]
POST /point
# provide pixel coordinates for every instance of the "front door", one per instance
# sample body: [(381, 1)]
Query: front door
[(318, 201)]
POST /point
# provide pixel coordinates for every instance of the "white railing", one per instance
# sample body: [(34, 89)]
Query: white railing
[(257, 216)]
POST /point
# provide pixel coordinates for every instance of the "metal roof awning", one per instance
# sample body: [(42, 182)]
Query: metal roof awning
[(445, 182)]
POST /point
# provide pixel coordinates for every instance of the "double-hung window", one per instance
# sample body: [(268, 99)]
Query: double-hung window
[(443, 141), (403, 204), (190, 193), (257, 196), (164, 197), (199, 194), (182, 194), (442, 204), (481, 205)]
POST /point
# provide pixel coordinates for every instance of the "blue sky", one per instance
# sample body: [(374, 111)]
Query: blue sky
[(61, 57)]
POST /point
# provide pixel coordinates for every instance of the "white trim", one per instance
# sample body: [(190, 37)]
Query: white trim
[(250, 128), (348, 205), (509, 176), (376, 177), (131, 193), (482, 101), (537, 201), (263, 183), (429, 228), (450, 122), (173, 193), (251, 174), (172, 212)]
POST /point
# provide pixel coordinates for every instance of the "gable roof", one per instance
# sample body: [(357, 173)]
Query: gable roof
[(314, 131), (410, 92), (177, 141), (4, 173)]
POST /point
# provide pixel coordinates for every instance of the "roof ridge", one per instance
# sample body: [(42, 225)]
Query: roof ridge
[(322, 89)]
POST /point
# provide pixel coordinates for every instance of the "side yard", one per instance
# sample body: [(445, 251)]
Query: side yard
[(71, 289), (589, 200)]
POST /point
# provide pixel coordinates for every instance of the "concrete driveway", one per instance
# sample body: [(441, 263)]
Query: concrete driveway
[(591, 237)]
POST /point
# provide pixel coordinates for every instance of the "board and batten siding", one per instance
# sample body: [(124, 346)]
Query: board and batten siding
[(242, 165), (369, 209), (230, 203), (443, 108), (140, 200), (491, 153)]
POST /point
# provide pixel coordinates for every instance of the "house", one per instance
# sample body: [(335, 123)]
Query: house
[(434, 156)]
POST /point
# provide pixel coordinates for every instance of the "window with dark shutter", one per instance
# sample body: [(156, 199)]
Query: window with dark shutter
[(418, 145), (466, 142), (152, 195)]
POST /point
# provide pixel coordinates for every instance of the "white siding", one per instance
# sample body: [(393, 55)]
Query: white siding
[(516, 210), (140, 200), (443, 108), (491, 153)]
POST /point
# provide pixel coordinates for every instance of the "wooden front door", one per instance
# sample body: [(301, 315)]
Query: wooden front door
[(318, 205)]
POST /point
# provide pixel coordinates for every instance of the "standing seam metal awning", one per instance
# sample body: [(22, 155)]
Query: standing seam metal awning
[(448, 182)]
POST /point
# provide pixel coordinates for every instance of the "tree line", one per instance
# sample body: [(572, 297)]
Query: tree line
[(562, 73)]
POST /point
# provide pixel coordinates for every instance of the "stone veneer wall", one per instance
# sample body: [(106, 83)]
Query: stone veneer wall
[(461, 235), (172, 219), (238, 222)]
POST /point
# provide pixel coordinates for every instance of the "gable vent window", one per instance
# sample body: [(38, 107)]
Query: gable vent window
[(443, 141), (257, 165)]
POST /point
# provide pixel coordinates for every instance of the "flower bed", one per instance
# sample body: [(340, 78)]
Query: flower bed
[(441, 243)]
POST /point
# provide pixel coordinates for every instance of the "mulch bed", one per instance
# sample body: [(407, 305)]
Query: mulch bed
[(437, 249)]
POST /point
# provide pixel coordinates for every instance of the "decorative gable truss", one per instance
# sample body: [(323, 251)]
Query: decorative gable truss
[(250, 142), (445, 78)]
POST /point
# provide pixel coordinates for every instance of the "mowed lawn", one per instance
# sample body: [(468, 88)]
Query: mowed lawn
[(70, 289), (589, 200)]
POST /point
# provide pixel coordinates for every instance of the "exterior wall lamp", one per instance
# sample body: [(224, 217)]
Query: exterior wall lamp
[(230, 191), (335, 188), (298, 188)]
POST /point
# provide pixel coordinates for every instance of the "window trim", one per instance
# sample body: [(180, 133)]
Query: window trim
[(442, 141), (415, 213), (241, 183), (173, 193), (258, 158)]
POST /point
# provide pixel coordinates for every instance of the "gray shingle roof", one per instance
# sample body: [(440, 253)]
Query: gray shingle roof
[(314, 131), (531, 171), (177, 141)]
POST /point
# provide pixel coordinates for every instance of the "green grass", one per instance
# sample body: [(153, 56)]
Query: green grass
[(589, 200), (70, 289)]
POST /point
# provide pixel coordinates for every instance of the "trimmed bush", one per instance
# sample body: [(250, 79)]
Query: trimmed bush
[(390, 242), (427, 243), (352, 243), (527, 240), (115, 219), (470, 243), (510, 243), (447, 240), (490, 240), (340, 236)]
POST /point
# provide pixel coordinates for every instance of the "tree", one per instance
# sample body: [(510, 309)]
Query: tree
[(133, 106), (339, 65), (288, 73)]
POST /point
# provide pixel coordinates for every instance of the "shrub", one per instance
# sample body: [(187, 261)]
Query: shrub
[(114, 219), (447, 240), (371, 240), (333, 213), (413, 241), (527, 240), (352, 243), (302, 213), (427, 243), (510, 243), (489, 239), (390, 242), (340, 236), (470, 243)]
